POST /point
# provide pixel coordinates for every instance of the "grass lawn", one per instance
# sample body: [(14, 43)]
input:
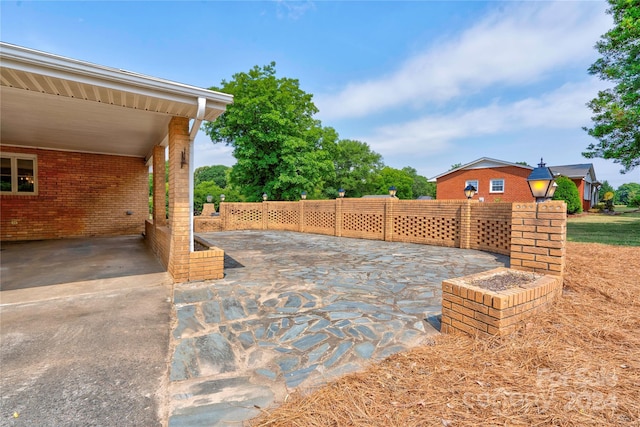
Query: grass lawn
[(623, 229)]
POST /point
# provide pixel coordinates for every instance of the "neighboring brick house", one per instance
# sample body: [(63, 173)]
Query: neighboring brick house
[(500, 181), (77, 140)]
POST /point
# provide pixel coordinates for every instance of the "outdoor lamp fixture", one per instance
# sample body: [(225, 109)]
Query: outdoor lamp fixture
[(392, 191), (209, 198), (469, 191), (264, 197), (541, 183), (552, 190), (222, 197), (303, 195), (341, 193)]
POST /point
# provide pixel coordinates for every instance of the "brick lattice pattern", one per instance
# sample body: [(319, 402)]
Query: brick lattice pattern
[(533, 235)]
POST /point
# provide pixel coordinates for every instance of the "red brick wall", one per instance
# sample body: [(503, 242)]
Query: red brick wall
[(586, 204), (79, 195), (516, 189)]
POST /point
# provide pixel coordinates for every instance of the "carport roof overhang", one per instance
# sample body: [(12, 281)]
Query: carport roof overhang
[(53, 102)]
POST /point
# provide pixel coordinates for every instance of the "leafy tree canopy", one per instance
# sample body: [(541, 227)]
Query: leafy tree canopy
[(568, 192), (203, 189), (616, 120), (421, 185), (356, 168), (217, 174), (276, 141), (397, 178), (626, 192)]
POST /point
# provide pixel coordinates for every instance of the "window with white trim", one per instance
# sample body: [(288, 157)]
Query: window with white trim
[(496, 186), (18, 173), (473, 182)]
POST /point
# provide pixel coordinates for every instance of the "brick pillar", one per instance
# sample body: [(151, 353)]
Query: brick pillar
[(179, 212), (159, 195), (301, 216), (465, 224), (265, 215), (538, 237), (389, 205), (339, 217)]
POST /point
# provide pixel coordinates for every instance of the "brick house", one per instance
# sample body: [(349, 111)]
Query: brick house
[(500, 181), (77, 141)]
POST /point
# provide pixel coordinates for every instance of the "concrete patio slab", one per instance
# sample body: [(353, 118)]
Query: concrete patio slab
[(88, 352), (297, 310)]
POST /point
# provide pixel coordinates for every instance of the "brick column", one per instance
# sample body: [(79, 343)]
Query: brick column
[(465, 224), (179, 212), (265, 215), (538, 237), (301, 216), (389, 205), (159, 195), (339, 217)]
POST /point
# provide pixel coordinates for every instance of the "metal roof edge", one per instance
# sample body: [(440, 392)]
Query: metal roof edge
[(34, 59)]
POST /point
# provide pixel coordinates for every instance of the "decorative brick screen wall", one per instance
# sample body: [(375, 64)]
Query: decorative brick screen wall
[(427, 222), (490, 227), (319, 217), (283, 216), (533, 235), (79, 195)]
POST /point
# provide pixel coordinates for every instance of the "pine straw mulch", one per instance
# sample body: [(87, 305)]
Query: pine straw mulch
[(578, 364)]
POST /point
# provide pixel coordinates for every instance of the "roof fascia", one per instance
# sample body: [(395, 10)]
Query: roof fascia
[(51, 65), (501, 163)]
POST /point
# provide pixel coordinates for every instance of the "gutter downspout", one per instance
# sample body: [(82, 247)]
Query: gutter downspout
[(195, 127)]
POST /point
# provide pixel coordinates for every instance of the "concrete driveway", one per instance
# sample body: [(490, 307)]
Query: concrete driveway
[(83, 342)]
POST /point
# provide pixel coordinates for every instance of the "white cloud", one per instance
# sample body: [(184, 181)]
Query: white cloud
[(293, 10), (563, 108), (516, 45)]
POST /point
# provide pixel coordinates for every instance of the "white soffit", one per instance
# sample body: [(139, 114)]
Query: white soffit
[(52, 102)]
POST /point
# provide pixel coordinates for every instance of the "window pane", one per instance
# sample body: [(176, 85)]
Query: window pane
[(497, 185), (25, 176), (5, 174)]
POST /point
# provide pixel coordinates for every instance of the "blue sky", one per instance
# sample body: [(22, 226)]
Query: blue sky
[(426, 84)]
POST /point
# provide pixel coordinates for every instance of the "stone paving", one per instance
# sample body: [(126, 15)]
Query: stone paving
[(296, 310)]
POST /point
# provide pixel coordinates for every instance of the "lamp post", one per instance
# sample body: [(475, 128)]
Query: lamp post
[(303, 195), (209, 198), (222, 197), (392, 191), (341, 193), (541, 183), (469, 191), (264, 197)]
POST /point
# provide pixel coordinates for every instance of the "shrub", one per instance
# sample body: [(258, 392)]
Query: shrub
[(568, 192), (634, 202), (608, 201)]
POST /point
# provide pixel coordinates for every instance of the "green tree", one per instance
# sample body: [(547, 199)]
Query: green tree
[(605, 188), (617, 110), (206, 188), (395, 177), (278, 145), (356, 168), (217, 174), (626, 192), (421, 185), (455, 166), (568, 192)]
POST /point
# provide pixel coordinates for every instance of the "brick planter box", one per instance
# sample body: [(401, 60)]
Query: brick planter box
[(475, 310)]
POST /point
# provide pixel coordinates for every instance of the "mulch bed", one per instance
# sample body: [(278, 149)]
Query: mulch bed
[(577, 364), (504, 281)]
